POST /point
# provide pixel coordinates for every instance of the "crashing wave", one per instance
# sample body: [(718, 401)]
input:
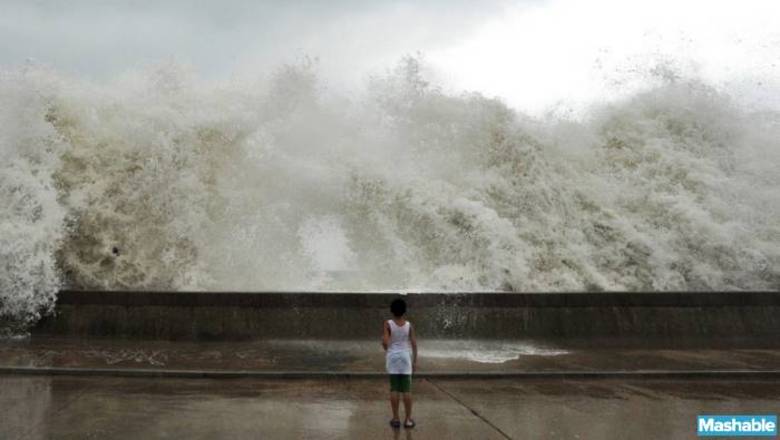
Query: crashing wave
[(159, 180)]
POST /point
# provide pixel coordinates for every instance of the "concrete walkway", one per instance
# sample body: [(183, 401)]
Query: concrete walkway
[(365, 358), (39, 407)]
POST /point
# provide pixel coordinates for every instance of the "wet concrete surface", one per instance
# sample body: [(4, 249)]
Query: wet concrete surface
[(65, 408), (610, 409), (365, 356), (129, 408)]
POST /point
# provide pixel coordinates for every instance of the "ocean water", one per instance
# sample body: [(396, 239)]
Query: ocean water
[(159, 179)]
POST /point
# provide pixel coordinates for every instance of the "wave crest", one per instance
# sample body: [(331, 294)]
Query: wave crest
[(161, 181)]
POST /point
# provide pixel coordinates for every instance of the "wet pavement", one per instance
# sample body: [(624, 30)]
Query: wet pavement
[(362, 356), (62, 407)]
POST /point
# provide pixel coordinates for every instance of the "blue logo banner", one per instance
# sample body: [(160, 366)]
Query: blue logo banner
[(736, 426)]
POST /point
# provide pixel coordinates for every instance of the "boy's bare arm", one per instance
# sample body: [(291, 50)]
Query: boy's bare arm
[(385, 335), (413, 340)]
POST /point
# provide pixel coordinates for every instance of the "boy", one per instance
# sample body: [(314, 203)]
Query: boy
[(400, 344)]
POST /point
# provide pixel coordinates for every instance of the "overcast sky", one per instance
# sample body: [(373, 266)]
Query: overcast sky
[(102, 37), (535, 54)]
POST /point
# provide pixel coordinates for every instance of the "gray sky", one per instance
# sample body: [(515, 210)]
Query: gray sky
[(536, 54), (99, 37)]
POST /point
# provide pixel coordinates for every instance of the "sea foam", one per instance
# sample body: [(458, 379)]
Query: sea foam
[(161, 180)]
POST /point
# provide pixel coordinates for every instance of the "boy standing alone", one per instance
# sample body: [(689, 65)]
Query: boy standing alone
[(400, 344)]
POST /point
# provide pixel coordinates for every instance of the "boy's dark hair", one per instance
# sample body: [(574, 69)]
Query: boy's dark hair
[(398, 307)]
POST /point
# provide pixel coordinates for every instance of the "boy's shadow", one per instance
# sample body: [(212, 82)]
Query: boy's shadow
[(397, 434)]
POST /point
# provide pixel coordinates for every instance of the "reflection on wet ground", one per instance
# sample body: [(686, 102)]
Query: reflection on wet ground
[(122, 408), (367, 356)]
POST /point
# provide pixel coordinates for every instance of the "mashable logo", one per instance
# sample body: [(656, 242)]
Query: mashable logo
[(733, 426)]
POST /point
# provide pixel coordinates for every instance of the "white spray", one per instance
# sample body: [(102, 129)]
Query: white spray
[(161, 181)]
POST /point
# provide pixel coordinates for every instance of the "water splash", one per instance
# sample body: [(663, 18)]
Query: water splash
[(488, 352), (159, 180)]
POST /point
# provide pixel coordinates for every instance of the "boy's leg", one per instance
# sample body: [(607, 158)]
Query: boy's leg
[(406, 390), (394, 401), (395, 388), (408, 405)]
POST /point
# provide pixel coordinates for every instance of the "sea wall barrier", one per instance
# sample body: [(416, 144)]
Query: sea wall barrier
[(243, 315)]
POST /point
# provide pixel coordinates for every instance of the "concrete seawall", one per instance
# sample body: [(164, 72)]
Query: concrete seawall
[(235, 315)]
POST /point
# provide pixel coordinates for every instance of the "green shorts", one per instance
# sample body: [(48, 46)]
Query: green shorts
[(401, 383)]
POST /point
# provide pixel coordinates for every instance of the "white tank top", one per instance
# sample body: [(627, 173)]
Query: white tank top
[(399, 337)]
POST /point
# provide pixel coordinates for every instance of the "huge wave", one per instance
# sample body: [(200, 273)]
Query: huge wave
[(160, 180)]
